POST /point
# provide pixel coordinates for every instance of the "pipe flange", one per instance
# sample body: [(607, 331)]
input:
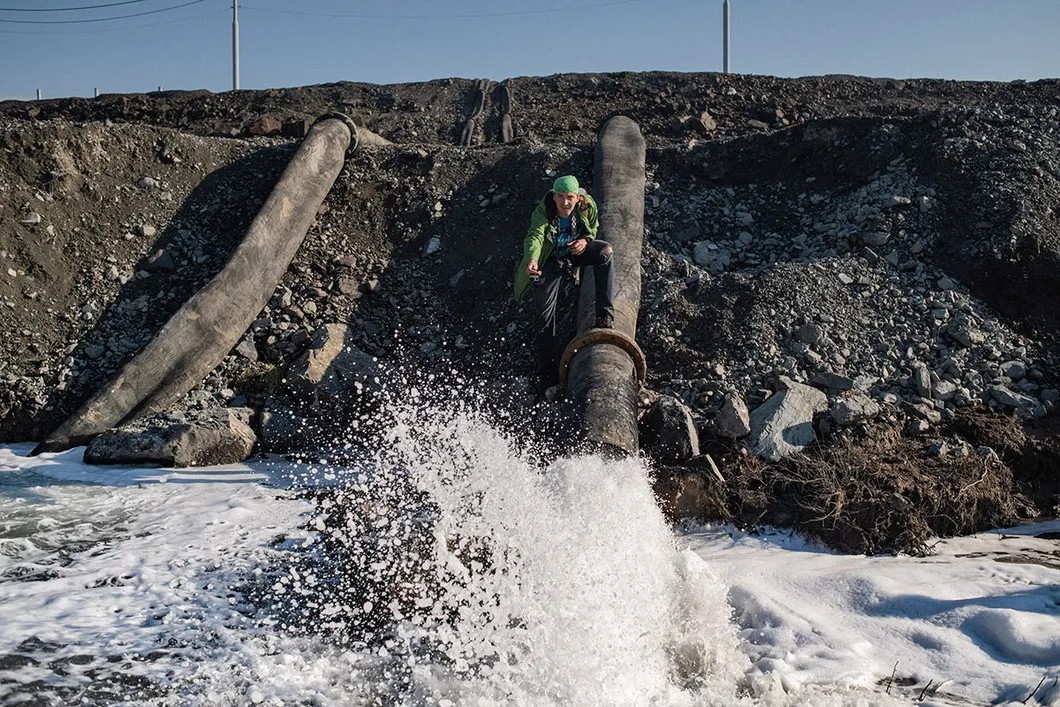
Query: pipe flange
[(602, 336), (355, 138)]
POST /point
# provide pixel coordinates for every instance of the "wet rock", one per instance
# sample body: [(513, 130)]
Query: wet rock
[(212, 436), (783, 424), (328, 388), (667, 431)]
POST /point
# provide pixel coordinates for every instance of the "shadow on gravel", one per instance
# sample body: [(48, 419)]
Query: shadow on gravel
[(188, 252)]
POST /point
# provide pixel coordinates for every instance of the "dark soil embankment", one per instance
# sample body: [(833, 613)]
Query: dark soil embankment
[(901, 235)]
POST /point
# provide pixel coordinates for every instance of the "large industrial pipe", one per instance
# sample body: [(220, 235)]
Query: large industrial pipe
[(604, 367), (199, 335)]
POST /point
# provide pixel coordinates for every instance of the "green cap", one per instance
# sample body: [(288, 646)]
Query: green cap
[(568, 184)]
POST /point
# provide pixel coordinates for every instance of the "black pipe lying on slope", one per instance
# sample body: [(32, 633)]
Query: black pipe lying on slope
[(202, 332)]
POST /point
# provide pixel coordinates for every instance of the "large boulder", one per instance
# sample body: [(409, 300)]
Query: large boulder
[(211, 436), (783, 424), (331, 389), (667, 431)]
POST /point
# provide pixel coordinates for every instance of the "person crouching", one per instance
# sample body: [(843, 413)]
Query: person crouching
[(562, 236)]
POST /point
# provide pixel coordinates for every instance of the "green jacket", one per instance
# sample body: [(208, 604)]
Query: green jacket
[(540, 238)]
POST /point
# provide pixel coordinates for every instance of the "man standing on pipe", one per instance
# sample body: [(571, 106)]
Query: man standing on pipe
[(562, 237)]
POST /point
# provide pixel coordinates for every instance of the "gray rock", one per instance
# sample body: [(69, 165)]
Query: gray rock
[(945, 390), (925, 412), (1010, 398), (783, 424), (667, 431), (832, 381), (247, 349), (212, 436), (160, 261), (332, 388), (433, 245), (708, 255), (921, 380), (917, 427), (147, 182), (733, 420), (1014, 369), (809, 333), (964, 331), (147, 230), (853, 408), (31, 218)]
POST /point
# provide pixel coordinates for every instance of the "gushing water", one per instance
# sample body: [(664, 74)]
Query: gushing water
[(492, 578)]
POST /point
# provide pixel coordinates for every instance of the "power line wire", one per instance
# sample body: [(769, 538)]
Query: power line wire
[(101, 19), (123, 28), (453, 16), (69, 9)]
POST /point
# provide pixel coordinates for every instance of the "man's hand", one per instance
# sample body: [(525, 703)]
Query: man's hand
[(532, 269), (577, 247)]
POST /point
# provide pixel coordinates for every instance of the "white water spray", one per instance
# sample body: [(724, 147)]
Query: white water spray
[(559, 585)]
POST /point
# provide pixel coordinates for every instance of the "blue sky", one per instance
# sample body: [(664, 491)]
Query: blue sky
[(288, 43)]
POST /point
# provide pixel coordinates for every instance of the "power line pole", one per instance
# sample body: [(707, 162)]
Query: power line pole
[(235, 45), (725, 31)]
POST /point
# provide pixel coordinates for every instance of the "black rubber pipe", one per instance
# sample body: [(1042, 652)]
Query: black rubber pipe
[(603, 379), (202, 332)]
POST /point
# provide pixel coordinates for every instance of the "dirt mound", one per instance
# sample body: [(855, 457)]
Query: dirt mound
[(893, 238)]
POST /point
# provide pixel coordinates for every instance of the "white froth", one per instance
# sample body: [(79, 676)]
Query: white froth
[(589, 597)]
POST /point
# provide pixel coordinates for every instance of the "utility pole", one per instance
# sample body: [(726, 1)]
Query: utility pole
[(725, 30), (235, 45)]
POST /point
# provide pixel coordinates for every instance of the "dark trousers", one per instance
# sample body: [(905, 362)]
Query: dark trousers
[(546, 290)]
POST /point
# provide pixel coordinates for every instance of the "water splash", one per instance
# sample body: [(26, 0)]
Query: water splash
[(525, 583)]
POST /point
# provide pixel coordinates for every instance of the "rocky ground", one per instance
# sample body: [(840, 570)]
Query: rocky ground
[(883, 251)]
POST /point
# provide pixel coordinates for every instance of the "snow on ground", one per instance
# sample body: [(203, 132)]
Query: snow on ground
[(130, 585), (981, 615)]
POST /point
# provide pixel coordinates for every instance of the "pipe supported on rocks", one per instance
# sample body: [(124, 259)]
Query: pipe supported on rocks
[(606, 365), (202, 332)]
